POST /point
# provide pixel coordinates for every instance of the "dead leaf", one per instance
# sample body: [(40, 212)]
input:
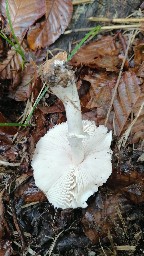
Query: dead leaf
[(139, 53), (100, 216), (11, 65), (5, 248), (23, 14), (126, 97), (141, 70), (9, 130), (56, 108), (100, 90), (46, 33), (99, 54), (1, 215), (29, 192), (23, 91), (135, 192)]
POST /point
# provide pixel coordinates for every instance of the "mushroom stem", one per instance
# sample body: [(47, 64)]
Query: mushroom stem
[(69, 96)]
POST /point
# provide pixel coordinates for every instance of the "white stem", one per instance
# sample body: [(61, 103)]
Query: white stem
[(69, 96)]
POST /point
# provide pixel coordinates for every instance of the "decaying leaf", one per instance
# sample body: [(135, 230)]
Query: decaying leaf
[(11, 65), (24, 13), (99, 54), (58, 18)]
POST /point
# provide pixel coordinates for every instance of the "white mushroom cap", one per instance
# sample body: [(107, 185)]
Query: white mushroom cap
[(65, 184)]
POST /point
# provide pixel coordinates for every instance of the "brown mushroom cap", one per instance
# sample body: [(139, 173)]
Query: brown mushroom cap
[(65, 184)]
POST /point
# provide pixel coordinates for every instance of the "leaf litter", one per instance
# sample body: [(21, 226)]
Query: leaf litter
[(113, 221)]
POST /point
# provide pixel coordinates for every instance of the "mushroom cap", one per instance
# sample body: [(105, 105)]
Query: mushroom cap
[(65, 184)]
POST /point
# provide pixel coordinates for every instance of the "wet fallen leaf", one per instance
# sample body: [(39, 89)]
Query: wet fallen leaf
[(23, 14), (45, 33), (99, 54)]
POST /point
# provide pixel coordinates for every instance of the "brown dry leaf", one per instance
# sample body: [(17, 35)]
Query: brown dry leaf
[(11, 65), (126, 97), (99, 54), (46, 33), (24, 13), (24, 90)]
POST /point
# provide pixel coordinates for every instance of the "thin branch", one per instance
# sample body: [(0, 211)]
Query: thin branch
[(120, 20), (133, 26), (77, 2)]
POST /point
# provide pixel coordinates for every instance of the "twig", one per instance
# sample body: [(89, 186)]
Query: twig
[(76, 2), (105, 28), (118, 79), (120, 20), (8, 163)]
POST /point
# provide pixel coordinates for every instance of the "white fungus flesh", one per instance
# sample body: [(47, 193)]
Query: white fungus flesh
[(74, 158)]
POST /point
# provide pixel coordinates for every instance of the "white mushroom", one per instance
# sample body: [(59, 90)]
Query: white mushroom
[(74, 158)]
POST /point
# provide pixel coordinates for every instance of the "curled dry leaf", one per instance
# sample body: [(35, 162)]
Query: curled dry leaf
[(99, 54), (24, 13), (11, 65), (58, 18)]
